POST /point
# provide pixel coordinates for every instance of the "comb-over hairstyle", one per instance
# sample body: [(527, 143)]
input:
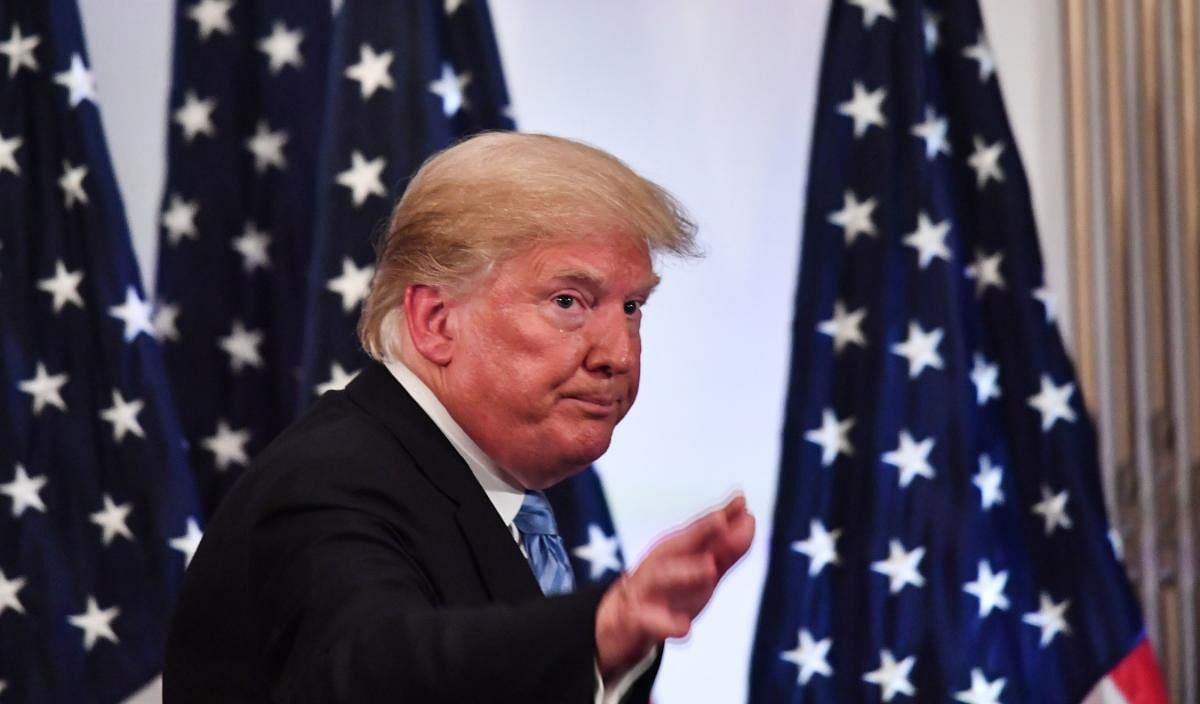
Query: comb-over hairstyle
[(489, 197)]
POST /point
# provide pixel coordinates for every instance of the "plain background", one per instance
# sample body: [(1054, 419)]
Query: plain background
[(713, 100)]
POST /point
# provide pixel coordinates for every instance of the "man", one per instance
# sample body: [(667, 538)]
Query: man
[(393, 544)]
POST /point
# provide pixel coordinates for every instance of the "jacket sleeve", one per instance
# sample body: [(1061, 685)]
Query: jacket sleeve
[(345, 615)]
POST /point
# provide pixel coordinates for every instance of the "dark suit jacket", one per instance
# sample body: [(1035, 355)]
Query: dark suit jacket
[(359, 560)]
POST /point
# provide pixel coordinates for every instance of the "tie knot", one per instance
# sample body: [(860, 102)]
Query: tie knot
[(536, 517)]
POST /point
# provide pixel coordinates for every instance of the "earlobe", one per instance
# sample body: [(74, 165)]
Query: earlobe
[(427, 315)]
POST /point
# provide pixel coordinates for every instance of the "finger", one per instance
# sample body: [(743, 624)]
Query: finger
[(735, 506), (696, 535), (732, 545), (661, 624), (662, 579)]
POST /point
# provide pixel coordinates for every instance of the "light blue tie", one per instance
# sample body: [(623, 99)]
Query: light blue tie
[(539, 535)]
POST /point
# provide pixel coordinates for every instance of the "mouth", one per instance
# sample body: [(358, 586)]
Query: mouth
[(598, 405)]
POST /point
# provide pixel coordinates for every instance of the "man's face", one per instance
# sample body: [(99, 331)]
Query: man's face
[(547, 355)]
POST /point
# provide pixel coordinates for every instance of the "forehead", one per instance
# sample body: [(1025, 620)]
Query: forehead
[(615, 261)]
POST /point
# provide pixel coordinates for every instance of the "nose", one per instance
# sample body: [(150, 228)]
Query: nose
[(615, 345)]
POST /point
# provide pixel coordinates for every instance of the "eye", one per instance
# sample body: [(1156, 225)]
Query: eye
[(632, 307), (564, 301)]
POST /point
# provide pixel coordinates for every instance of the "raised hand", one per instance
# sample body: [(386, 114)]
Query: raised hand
[(670, 586)]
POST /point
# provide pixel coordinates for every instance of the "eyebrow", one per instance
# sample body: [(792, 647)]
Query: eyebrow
[(587, 278)]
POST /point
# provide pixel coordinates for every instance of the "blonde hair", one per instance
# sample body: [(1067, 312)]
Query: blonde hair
[(491, 196)]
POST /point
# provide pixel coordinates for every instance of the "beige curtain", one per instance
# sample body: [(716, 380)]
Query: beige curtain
[(1134, 156)]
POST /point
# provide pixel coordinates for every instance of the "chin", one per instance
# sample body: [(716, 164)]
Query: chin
[(573, 460)]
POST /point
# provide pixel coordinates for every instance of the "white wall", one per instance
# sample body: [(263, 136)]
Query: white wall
[(712, 99)]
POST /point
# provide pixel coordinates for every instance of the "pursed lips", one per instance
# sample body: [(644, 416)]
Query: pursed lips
[(596, 403)]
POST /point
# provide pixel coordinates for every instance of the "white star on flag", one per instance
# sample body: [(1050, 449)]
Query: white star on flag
[(45, 389), (986, 378), (1046, 298), (865, 108), (63, 286), (985, 160), (96, 623), (1053, 403), (820, 546), (252, 245), (933, 131), (111, 520), (988, 480), (449, 87), (71, 183), (929, 239), (267, 147), (9, 588), (123, 416), (844, 327), (874, 9), (892, 676), (854, 218), (135, 314), (19, 50), (338, 378), (900, 567), (989, 588), (165, 315), (282, 47), (179, 219), (8, 154), (188, 542), (211, 16), (982, 53), (78, 80), (981, 691), (1117, 542), (194, 117), (228, 446), (1053, 509), (362, 178), (810, 656), (1050, 618), (911, 458), (451, 6), (353, 283), (242, 347), (832, 436), (373, 71), (933, 37), (986, 272), (600, 552), (23, 490), (920, 349)]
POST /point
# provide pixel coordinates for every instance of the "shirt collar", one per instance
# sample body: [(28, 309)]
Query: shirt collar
[(506, 498)]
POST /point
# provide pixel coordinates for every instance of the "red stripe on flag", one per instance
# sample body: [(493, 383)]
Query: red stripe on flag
[(1138, 676)]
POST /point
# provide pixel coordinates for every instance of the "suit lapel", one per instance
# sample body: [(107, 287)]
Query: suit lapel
[(502, 568)]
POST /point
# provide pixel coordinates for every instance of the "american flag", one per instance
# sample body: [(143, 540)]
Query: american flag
[(246, 109), (406, 80), (97, 507), (586, 528), (939, 533)]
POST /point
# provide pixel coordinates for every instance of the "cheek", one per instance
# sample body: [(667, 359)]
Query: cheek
[(526, 360), (635, 366)]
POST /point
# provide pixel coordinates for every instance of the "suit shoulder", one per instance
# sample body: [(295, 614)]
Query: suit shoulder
[(335, 451)]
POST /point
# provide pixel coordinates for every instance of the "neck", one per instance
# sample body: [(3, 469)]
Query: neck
[(433, 377)]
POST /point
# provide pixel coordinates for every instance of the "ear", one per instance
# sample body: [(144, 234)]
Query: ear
[(427, 313)]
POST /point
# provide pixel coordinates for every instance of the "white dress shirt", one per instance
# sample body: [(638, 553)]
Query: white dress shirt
[(506, 498)]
